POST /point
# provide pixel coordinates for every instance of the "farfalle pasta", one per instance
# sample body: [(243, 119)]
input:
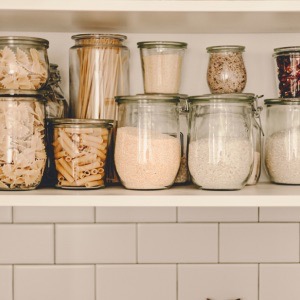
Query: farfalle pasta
[(22, 148), (80, 151)]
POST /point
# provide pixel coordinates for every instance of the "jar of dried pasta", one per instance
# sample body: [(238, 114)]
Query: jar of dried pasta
[(23, 63), (22, 145), (79, 150)]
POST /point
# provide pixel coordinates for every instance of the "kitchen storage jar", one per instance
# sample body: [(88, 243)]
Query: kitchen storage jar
[(287, 65), (22, 145), (23, 63), (162, 64), (226, 72), (80, 150), (99, 70), (147, 151), (282, 143), (220, 150)]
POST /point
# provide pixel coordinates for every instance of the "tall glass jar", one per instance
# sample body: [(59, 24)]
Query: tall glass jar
[(99, 70), (220, 155), (147, 151), (282, 143), (22, 145), (162, 65), (226, 72), (24, 63)]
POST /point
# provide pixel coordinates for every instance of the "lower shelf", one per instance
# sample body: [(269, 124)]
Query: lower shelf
[(263, 194)]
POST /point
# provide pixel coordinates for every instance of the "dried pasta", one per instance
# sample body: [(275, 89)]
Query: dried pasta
[(76, 164)]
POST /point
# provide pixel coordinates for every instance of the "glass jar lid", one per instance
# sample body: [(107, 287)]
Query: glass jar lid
[(99, 38), (24, 40), (283, 101), (161, 44), (286, 50), (219, 98), (82, 122), (225, 48), (147, 98)]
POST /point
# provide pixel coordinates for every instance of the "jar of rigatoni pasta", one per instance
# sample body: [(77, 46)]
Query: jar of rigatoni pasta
[(79, 152)]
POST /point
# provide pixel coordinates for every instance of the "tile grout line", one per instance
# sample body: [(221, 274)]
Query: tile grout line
[(54, 243), (177, 214), (218, 243), (95, 281), (12, 215), (258, 215), (95, 215), (136, 244)]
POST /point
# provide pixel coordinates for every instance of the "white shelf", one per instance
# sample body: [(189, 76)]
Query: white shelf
[(264, 194), (151, 16)]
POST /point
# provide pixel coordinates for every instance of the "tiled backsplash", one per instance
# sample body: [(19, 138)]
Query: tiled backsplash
[(88, 253)]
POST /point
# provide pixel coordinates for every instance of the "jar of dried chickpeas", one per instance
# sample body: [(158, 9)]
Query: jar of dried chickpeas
[(79, 152)]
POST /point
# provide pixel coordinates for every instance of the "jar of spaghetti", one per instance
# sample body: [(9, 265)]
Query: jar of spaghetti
[(79, 152)]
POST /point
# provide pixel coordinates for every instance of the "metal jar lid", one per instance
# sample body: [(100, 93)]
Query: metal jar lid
[(162, 44), (147, 98)]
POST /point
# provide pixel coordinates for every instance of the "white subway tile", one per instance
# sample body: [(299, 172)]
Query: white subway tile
[(105, 243), (54, 215), (259, 242), (6, 283), (177, 243), (278, 282), (136, 282), (217, 214), (54, 283), (279, 214), (220, 282), (5, 214), (22, 244), (135, 214)]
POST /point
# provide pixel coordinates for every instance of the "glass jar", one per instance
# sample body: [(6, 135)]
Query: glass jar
[(147, 151), (80, 150), (226, 72), (22, 145), (24, 63), (287, 65), (220, 151), (99, 70), (162, 64), (282, 143)]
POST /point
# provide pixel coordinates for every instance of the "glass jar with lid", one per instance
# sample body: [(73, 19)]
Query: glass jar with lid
[(162, 65), (99, 70), (220, 150), (22, 144), (79, 152), (282, 143), (24, 63), (287, 65), (226, 72), (147, 151)]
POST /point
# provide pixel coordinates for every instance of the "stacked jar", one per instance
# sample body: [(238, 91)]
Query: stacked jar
[(24, 70), (282, 146)]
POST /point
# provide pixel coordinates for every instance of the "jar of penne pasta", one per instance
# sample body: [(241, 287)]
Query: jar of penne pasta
[(22, 144), (80, 150)]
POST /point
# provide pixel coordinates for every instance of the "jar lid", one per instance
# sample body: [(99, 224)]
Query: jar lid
[(23, 40), (283, 101), (21, 94), (82, 122), (219, 98), (283, 50), (161, 44), (225, 48), (99, 38), (180, 96), (147, 98)]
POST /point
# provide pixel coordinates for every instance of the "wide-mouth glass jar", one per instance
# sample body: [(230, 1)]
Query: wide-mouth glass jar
[(282, 143), (220, 150), (287, 68), (162, 65), (99, 70), (22, 144), (23, 63), (147, 151), (226, 72), (80, 151)]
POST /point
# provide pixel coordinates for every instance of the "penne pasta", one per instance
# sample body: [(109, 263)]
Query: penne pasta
[(89, 179), (61, 170), (94, 183)]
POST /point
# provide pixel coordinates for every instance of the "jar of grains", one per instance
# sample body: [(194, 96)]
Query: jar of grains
[(147, 151), (226, 71), (287, 65), (24, 63), (162, 64), (22, 145), (220, 155), (282, 144), (99, 70), (80, 150)]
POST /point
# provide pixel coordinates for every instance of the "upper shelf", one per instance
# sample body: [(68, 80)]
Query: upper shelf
[(151, 16), (261, 195)]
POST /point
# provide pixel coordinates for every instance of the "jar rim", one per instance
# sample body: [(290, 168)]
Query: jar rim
[(82, 36), (287, 50), (180, 96), (24, 39), (68, 121), (224, 48), (230, 98), (282, 101), (162, 44), (147, 98)]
